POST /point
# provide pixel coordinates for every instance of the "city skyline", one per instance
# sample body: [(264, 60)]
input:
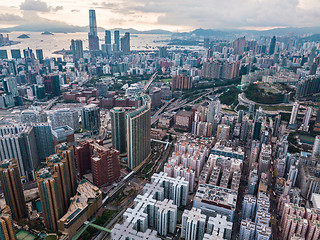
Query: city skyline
[(175, 15)]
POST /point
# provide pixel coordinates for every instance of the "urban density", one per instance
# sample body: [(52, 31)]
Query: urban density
[(202, 137)]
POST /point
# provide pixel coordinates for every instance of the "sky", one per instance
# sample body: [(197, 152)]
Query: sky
[(173, 15)]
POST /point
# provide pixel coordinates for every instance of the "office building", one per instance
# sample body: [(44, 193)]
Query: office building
[(77, 50), (138, 124), (105, 165), (16, 53), (118, 129), (39, 54), (44, 140), (50, 197), (32, 116), (90, 118), (125, 43), (294, 113), (107, 37), (3, 54), (10, 86), (64, 134), (7, 231), (65, 117), (193, 224), (19, 142), (117, 40), (12, 188), (93, 33), (52, 85), (272, 46)]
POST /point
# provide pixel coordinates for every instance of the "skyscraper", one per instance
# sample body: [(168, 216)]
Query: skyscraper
[(93, 34), (117, 39), (125, 43), (12, 188), (68, 155), (6, 227), (76, 49), (44, 140), (306, 119), (272, 45), (52, 84), (15, 53), (50, 197), (107, 37), (239, 45), (316, 147), (118, 129), (60, 168), (63, 117), (39, 54), (294, 114), (138, 123), (10, 86), (90, 118)]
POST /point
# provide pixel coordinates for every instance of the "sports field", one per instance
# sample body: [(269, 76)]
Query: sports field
[(23, 235)]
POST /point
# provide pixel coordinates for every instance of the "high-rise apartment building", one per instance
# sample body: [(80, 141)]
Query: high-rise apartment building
[(181, 82), (50, 196), (76, 49), (239, 45), (105, 165), (90, 118), (294, 114), (316, 147), (118, 129), (138, 123), (32, 116), (193, 224), (12, 188), (7, 231), (93, 34), (125, 43)]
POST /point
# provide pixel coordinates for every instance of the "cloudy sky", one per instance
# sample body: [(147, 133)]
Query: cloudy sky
[(174, 15)]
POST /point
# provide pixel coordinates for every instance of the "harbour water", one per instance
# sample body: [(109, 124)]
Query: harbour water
[(59, 41)]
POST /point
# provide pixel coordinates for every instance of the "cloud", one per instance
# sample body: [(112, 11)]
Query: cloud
[(38, 6), (221, 13), (7, 18), (75, 10)]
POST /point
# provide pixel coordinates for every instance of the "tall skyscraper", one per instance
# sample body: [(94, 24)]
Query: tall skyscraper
[(44, 140), (117, 39), (39, 54), (118, 129), (12, 188), (3, 54), (93, 34), (107, 37), (68, 155), (272, 45), (90, 118), (50, 196), (52, 84), (15, 53), (306, 119), (125, 43), (138, 123), (76, 49), (239, 45), (6, 227), (294, 114), (10, 86)]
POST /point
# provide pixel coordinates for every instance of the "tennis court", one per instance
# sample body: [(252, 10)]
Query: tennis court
[(23, 235)]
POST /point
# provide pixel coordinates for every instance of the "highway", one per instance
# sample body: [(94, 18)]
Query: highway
[(153, 77)]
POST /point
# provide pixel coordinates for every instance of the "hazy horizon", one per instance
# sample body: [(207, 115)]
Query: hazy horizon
[(173, 15)]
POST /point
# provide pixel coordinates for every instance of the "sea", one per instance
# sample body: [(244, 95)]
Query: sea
[(61, 41)]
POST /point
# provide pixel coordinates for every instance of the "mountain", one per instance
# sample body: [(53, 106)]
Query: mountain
[(58, 27)]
